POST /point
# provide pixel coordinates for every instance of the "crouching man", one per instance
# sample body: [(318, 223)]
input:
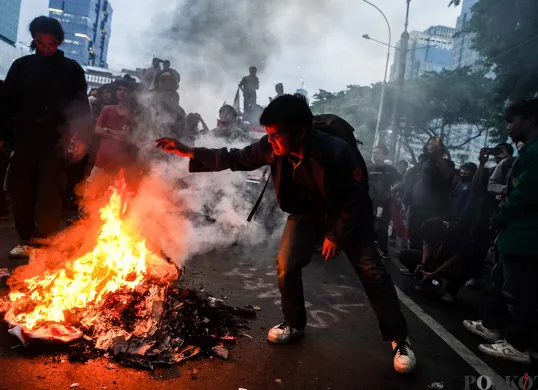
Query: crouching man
[(324, 187), (441, 266)]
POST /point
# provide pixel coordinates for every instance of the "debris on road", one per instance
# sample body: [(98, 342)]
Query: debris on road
[(437, 385), (73, 385), (220, 351)]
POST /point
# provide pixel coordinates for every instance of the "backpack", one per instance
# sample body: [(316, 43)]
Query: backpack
[(330, 124), (337, 127)]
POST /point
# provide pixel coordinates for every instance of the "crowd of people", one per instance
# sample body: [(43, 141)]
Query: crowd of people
[(54, 136), (456, 224)]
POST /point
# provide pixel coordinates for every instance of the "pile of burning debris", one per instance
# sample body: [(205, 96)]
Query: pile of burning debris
[(120, 300)]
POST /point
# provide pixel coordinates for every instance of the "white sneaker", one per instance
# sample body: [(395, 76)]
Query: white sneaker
[(491, 335), (504, 350), (283, 333), (404, 356), (20, 252)]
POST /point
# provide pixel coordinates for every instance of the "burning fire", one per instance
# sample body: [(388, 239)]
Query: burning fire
[(118, 261)]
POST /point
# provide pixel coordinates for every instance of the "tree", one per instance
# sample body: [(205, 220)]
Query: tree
[(437, 103), (505, 33), (359, 106)]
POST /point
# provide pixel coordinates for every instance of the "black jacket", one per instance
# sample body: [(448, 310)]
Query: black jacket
[(340, 179), (44, 100)]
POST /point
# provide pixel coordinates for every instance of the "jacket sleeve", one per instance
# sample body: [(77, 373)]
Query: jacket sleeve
[(350, 182), (8, 101), (522, 199), (249, 158), (80, 115)]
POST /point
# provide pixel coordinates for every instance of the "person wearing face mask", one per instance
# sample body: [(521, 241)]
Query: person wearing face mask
[(323, 184), (44, 98)]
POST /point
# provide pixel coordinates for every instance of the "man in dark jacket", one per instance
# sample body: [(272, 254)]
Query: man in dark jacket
[(44, 101), (320, 182), (517, 221)]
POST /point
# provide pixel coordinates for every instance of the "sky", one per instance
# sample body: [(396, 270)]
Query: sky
[(318, 41)]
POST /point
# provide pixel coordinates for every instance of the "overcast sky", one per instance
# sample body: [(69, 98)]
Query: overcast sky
[(326, 50)]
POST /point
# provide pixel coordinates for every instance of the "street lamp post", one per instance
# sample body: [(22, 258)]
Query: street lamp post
[(400, 81), (380, 111)]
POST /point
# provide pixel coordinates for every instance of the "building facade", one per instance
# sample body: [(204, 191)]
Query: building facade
[(463, 53), (428, 51), (10, 11), (97, 77), (87, 26)]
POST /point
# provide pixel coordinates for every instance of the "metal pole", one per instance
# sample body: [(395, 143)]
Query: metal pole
[(400, 82), (381, 102)]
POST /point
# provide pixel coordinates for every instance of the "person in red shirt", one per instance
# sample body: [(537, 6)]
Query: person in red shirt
[(116, 152)]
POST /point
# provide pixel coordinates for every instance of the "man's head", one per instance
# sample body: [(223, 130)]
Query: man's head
[(402, 166), (156, 63), (166, 64), (502, 151), (279, 88), (522, 118), (288, 120), (467, 171), (252, 70), (124, 90), (108, 94), (227, 116), (94, 92), (379, 155), (434, 231), (47, 34), (166, 82)]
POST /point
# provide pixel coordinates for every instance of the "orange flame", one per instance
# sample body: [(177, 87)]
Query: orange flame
[(118, 261)]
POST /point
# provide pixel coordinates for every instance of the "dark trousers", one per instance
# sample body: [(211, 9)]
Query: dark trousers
[(296, 248), (4, 163), (36, 181), (455, 275), (496, 315), (521, 293), (383, 228)]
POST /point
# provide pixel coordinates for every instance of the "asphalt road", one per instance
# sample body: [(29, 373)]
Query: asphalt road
[(341, 350)]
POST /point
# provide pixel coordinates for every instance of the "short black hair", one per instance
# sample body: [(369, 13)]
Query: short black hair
[(470, 165), (507, 147), (125, 84), (289, 112), (227, 109), (252, 69), (46, 25), (383, 149), (528, 109), (166, 62)]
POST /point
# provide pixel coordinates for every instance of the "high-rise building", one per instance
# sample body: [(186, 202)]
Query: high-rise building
[(463, 53), (87, 26), (428, 51), (10, 11)]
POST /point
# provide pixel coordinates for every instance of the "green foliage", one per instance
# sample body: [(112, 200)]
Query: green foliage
[(506, 35)]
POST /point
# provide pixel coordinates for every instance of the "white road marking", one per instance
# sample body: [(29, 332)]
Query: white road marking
[(458, 347)]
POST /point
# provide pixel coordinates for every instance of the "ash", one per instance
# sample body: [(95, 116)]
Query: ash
[(156, 325)]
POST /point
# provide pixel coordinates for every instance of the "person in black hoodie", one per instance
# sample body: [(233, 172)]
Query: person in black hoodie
[(323, 184), (44, 110)]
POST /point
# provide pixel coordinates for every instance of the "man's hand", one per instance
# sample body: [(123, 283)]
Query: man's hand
[(483, 157), (428, 276), (79, 150), (171, 145), (329, 249)]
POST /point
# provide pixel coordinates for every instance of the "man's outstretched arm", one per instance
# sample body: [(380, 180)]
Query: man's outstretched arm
[(249, 158)]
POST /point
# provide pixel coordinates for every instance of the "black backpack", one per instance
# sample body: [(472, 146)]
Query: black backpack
[(338, 127), (329, 124)]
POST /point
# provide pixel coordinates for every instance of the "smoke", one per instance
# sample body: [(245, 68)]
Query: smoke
[(212, 43)]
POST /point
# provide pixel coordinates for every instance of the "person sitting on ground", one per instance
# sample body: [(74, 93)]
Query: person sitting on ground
[(441, 263), (227, 125)]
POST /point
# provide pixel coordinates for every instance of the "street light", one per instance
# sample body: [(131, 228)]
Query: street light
[(366, 36)]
